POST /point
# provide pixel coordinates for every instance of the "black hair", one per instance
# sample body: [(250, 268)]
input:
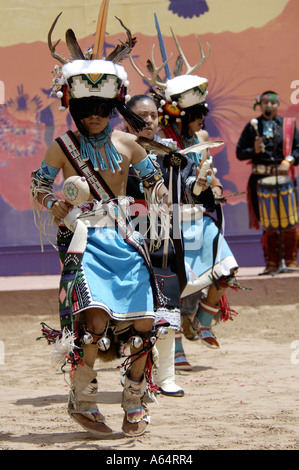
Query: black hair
[(191, 114), (137, 98)]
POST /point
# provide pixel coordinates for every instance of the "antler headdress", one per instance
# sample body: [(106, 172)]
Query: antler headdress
[(182, 91), (89, 75)]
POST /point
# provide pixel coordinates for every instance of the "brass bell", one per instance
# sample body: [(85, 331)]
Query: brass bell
[(104, 343)]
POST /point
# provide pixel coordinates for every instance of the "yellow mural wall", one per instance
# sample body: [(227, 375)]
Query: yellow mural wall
[(29, 20)]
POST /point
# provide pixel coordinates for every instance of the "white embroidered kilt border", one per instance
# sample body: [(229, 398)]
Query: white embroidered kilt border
[(199, 260)]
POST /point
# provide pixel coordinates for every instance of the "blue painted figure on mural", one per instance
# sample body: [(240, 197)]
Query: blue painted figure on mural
[(188, 8)]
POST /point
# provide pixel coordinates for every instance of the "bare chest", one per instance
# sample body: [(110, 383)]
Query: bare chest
[(115, 179)]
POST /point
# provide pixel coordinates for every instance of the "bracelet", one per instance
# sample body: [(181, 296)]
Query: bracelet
[(161, 198), (50, 203)]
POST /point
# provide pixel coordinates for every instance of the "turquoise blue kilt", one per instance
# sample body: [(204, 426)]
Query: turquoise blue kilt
[(198, 238), (113, 276)]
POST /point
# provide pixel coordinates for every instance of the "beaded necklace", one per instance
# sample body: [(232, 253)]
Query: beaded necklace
[(268, 129), (90, 148)]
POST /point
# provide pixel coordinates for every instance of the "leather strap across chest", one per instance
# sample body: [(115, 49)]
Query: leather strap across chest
[(100, 190)]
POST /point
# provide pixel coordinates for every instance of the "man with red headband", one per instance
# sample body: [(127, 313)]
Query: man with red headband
[(271, 143)]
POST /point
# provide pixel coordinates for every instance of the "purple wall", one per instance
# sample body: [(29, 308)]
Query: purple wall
[(29, 260)]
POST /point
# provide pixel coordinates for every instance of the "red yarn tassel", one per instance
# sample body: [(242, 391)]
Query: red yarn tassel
[(226, 311), (152, 388)]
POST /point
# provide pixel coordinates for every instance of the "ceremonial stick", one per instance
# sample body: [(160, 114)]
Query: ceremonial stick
[(254, 123), (99, 39), (162, 48), (206, 165)]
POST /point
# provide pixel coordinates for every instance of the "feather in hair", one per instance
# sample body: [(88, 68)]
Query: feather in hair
[(73, 46), (162, 149), (150, 68), (178, 68), (149, 144), (204, 145)]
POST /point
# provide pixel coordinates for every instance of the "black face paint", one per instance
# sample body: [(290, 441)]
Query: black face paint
[(84, 107), (81, 108)]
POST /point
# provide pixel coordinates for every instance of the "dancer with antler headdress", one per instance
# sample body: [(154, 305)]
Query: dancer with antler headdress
[(164, 253), (107, 284), (182, 106)]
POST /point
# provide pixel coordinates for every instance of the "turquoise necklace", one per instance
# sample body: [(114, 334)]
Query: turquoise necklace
[(268, 129), (90, 148)]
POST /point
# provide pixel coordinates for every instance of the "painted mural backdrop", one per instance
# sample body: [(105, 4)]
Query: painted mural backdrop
[(253, 43)]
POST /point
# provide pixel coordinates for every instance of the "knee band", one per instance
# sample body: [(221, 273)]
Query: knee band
[(149, 338), (138, 339), (206, 312)]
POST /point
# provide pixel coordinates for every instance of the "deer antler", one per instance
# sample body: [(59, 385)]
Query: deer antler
[(153, 79), (120, 52), (52, 47), (190, 69)]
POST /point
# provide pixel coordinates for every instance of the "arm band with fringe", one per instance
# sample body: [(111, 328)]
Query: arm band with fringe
[(148, 172), (46, 174), (42, 184)]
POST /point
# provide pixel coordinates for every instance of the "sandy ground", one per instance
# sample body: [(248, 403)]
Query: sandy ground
[(244, 396)]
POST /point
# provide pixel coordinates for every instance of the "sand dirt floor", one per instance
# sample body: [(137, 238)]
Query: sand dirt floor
[(244, 396)]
